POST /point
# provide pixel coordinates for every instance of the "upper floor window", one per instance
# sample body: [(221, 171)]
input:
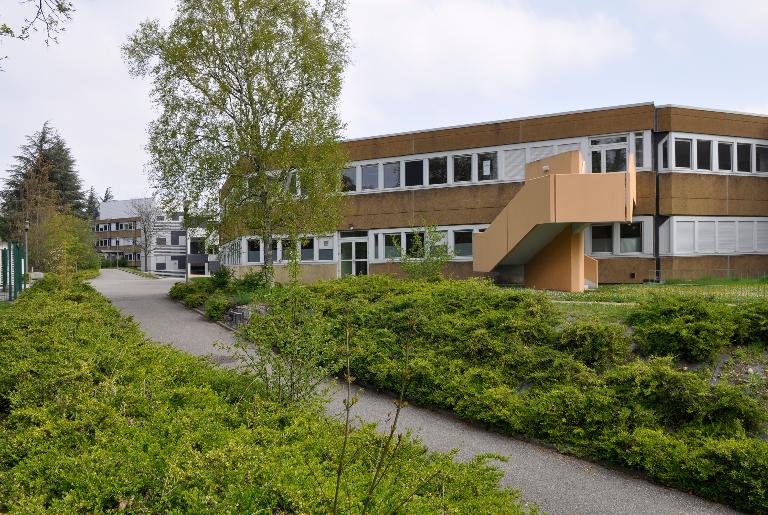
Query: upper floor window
[(743, 157), (438, 170), (609, 154), (462, 168), (349, 179), (487, 166), (414, 173), (369, 177), (683, 153), (639, 150), (725, 156), (761, 159), (704, 154), (392, 175)]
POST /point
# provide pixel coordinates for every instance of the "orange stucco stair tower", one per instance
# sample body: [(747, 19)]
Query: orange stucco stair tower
[(542, 227)]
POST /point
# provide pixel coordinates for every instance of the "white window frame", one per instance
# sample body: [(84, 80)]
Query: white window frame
[(376, 240), (670, 228), (647, 239), (715, 157)]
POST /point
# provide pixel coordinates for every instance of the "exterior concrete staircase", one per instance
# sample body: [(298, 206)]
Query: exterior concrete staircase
[(542, 226)]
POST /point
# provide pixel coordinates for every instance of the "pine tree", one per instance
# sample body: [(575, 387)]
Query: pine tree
[(108, 195), (44, 151), (92, 204)]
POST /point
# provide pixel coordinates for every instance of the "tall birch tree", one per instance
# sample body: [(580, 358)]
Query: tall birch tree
[(248, 129)]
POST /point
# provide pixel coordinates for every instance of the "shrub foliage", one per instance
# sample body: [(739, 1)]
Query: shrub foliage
[(94, 418)]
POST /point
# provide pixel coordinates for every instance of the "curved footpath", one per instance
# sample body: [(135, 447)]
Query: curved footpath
[(559, 483)]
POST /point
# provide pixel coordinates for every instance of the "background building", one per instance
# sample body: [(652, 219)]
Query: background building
[(117, 233), (701, 193)]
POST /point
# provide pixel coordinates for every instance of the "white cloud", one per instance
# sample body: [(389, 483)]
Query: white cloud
[(420, 52)]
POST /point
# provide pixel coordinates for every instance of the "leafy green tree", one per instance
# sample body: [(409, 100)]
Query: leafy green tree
[(426, 255), (45, 151), (92, 204), (248, 127), (50, 15)]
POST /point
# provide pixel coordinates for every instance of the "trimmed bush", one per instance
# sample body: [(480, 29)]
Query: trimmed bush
[(751, 324), (597, 344), (195, 299), (690, 327), (216, 306), (95, 418)]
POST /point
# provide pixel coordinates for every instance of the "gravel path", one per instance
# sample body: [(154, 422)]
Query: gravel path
[(559, 483)]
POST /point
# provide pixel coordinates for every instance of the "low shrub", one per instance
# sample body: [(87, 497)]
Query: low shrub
[(251, 281), (751, 324), (692, 328), (96, 418), (597, 344), (195, 299), (220, 278), (180, 290), (242, 298), (216, 306)]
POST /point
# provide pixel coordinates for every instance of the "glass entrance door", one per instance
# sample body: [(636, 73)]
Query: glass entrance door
[(354, 257)]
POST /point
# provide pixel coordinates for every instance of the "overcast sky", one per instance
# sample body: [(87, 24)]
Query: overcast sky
[(417, 64)]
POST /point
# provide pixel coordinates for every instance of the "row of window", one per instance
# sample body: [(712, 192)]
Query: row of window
[(116, 242), (115, 226), (694, 152), (619, 238), (310, 248), (608, 154), (681, 235)]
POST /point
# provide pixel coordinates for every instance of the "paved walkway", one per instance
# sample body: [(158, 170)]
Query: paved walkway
[(560, 484)]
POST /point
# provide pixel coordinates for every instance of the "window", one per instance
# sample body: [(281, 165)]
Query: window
[(370, 177), (308, 249), (325, 251), (462, 243), (725, 156), (392, 175), (608, 140), (161, 241), (414, 173), (744, 157), (438, 170), (704, 154), (391, 244), (602, 238), (665, 154), (682, 153), (639, 149), (631, 238), (761, 159), (275, 256), (462, 168), (414, 244), (487, 167), (597, 161), (254, 251), (616, 160), (349, 179)]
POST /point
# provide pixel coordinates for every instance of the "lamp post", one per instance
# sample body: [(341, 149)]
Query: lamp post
[(26, 251)]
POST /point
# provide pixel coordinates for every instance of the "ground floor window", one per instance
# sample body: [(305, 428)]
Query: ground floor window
[(602, 238), (631, 238)]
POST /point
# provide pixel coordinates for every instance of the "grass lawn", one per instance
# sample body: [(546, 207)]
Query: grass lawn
[(140, 273)]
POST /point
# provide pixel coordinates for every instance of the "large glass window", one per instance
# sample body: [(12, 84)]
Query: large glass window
[(704, 154), (349, 179), (370, 177), (308, 249), (631, 238), (462, 243), (438, 170), (254, 251), (761, 155), (597, 161), (602, 238), (725, 156), (616, 160), (462, 168), (487, 166), (414, 244), (683, 153), (639, 150), (414, 173), (391, 244), (392, 175), (744, 157)]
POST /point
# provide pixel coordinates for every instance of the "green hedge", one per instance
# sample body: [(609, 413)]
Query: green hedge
[(493, 355), (94, 417)]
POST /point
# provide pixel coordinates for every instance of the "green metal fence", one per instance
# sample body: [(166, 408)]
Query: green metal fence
[(13, 277)]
